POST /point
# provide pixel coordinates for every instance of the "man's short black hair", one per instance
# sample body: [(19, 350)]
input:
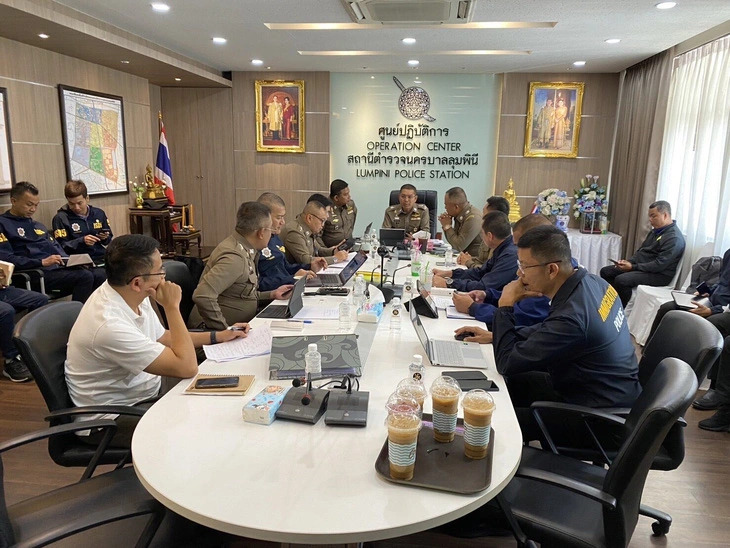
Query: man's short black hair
[(321, 199), (21, 188), (547, 244), (408, 186), (457, 195), (497, 223), (75, 188), (337, 186), (530, 221), (252, 216), (128, 256), (661, 206), (498, 203)]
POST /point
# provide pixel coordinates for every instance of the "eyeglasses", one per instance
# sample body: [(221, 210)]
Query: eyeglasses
[(320, 218), (160, 273), (408, 197), (522, 267)]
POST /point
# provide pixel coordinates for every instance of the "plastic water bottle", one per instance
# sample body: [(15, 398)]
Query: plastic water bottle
[(374, 245), (358, 292), (396, 311), (448, 255), (313, 361), (346, 314), (416, 368)]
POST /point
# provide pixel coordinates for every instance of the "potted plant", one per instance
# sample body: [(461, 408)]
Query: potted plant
[(590, 204), (553, 201)]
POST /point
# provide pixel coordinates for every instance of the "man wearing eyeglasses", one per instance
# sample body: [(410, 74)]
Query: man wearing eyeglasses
[(582, 352), (408, 214), (300, 237), (118, 349)]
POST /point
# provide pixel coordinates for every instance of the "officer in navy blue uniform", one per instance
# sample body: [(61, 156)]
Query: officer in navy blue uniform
[(274, 269), (79, 227), (582, 352), (27, 244), (498, 271)]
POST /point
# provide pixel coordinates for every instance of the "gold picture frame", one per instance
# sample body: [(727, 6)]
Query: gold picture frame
[(280, 116), (553, 119)]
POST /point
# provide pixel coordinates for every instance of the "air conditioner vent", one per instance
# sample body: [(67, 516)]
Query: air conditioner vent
[(413, 12)]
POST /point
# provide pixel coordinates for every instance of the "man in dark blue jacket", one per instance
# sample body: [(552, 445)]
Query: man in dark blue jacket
[(582, 352), (274, 269), (497, 271), (656, 260), (27, 244)]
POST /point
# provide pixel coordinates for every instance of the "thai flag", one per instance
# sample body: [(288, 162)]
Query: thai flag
[(535, 209), (163, 170)]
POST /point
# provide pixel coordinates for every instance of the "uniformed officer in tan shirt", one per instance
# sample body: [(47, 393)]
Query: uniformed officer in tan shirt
[(342, 218), (494, 203), (228, 289), (465, 234), (300, 237), (408, 214)]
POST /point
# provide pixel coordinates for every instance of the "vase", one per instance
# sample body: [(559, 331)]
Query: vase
[(562, 222), (590, 223)]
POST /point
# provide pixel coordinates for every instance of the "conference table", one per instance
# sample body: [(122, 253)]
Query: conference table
[(292, 482)]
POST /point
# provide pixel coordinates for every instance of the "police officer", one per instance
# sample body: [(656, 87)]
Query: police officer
[(27, 244), (79, 227), (274, 269), (494, 203), (228, 289), (408, 214), (464, 235), (300, 237), (582, 352), (342, 219)]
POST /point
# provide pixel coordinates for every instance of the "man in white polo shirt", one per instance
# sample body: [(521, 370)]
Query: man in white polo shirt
[(118, 349)]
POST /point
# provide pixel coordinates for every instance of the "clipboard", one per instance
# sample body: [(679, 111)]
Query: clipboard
[(244, 383)]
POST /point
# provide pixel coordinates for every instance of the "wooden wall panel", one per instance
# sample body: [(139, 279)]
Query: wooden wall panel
[(32, 76)]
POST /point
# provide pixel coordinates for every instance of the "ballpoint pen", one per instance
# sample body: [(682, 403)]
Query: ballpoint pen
[(300, 321)]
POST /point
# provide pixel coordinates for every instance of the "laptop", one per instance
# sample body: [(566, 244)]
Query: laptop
[(392, 236), (448, 353), (342, 277), (358, 241), (426, 296), (287, 310)]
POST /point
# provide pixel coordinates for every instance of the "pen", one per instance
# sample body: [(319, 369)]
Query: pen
[(234, 328), (300, 321)]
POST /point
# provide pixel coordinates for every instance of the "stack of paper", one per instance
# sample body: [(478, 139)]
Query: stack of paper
[(258, 343)]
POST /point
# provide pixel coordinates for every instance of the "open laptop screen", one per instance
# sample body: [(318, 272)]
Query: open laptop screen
[(420, 331)]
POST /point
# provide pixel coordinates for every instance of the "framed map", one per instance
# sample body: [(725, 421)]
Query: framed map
[(93, 139), (7, 176)]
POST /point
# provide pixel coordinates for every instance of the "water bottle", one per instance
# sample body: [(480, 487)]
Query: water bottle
[(374, 245), (313, 361), (448, 255), (396, 311), (416, 368), (346, 314), (603, 224), (358, 292)]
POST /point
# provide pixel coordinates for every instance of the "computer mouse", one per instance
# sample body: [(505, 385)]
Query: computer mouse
[(463, 335)]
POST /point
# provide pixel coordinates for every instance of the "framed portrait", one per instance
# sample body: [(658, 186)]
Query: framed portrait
[(280, 116), (92, 125), (553, 119), (7, 171)]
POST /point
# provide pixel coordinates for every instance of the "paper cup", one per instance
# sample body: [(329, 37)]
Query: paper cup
[(478, 408)]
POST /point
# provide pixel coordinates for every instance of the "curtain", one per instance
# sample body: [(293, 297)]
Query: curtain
[(637, 149), (694, 175)]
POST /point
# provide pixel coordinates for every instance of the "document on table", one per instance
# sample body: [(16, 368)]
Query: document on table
[(451, 312), (318, 313), (336, 267), (257, 343), (441, 301)]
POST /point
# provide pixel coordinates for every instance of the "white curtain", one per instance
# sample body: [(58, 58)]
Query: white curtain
[(694, 176)]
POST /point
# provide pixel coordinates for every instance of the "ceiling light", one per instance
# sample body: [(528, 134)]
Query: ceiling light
[(613, 40), (344, 108), (43, 35), (160, 7), (372, 77), (257, 62), (417, 82), (178, 79), (219, 40), (124, 62), (268, 68), (409, 41), (579, 63), (665, 5), (413, 62)]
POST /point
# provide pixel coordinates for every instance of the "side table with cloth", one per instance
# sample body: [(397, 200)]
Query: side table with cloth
[(593, 251)]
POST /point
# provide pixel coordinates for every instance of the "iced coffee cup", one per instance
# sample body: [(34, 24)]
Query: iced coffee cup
[(402, 403), (445, 394), (402, 441), (478, 408), (414, 389)]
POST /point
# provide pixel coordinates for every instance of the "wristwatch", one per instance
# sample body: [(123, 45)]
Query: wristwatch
[(449, 281)]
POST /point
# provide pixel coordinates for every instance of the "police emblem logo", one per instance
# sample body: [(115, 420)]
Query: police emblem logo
[(75, 227), (266, 252), (21, 232)]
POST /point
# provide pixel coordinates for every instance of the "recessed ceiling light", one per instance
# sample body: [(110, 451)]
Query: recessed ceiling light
[(613, 40), (160, 7), (579, 63), (257, 62), (372, 77), (43, 35), (124, 62), (268, 68), (665, 5), (417, 82), (409, 41), (344, 108), (413, 62), (178, 79), (219, 40)]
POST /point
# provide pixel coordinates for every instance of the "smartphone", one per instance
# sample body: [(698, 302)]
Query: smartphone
[(614, 261), (217, 382), (703, 288)]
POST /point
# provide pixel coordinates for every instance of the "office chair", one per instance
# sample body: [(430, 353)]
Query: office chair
[(75, 508), (179, 273), (41, 337), (562, 501), (427, 197)]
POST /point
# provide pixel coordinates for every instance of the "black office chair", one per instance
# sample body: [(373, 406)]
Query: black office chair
[(427, 197), (562, 501), (41, 337), (75, 508), (179, 273)]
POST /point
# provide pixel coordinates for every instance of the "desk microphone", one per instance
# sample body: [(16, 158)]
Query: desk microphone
[(306, 398), (397, 269)]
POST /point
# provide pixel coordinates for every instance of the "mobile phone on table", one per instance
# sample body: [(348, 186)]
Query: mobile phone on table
[(217, 382)]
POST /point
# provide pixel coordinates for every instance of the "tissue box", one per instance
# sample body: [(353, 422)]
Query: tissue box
[(262, 407), (370, 313)]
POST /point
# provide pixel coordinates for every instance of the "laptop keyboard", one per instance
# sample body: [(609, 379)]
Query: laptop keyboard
[(448, 353), (274, 311), (329, 279)]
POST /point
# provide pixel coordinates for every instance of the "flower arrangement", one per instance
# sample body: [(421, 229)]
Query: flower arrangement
[(589, 198), (552, 201)]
